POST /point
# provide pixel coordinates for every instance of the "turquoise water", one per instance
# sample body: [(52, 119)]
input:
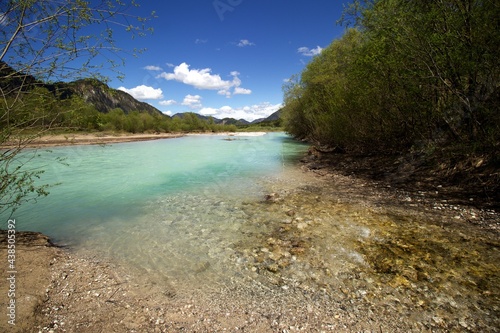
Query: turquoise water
[(165, 206)]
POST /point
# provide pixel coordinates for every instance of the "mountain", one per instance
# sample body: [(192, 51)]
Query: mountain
[(105, 99), (94, 92), (273, 117), (11, 81), (232, 121), (183, 115), (224, 121)]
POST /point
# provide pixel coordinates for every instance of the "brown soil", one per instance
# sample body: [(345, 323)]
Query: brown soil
[(472, 180)]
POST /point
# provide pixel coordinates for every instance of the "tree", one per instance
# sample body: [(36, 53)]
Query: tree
[(446, 53), (410, 73), (48, 41)]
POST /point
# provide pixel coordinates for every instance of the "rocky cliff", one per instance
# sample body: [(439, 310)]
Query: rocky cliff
[(93, 91), (104, 98)]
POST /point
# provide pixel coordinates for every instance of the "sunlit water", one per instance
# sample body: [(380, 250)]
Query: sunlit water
[(190, 214), (168, 207)]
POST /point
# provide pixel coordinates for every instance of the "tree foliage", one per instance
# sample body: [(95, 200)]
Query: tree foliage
[(44, 41), (408, 73)]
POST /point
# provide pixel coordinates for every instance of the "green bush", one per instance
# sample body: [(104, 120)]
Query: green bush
[(409, 72)]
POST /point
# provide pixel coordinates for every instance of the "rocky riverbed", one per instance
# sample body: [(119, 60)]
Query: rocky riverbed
[(320, 251)]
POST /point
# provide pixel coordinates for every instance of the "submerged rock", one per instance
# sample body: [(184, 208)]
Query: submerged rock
[(272, 197)]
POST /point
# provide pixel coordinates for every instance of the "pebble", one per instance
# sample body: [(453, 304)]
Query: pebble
[(329, 275), (301, 225), (274, 268)]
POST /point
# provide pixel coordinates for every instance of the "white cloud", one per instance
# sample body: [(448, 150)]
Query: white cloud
[(167, 103), (204, 79), (208, 111), (245, 42), (241, 91), (143, 92), (198, 78), (249, 113), (168, 113), (153, 68), (170, 65), (200, 41), (224, 92), (226, 109), (305, 51), (192, 101)]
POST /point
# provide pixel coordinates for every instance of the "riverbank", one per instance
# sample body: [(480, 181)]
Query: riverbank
[(334, 252), (54, 140)]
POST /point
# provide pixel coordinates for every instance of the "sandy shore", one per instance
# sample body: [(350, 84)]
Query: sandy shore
[(238, 134), (427, 266), (88, 139), (102, 138)]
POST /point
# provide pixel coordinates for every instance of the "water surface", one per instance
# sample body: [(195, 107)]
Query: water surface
[(169, 207), (187, 217)]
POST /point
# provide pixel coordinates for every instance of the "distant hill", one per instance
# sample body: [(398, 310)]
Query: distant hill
[(11, 81), (231, 121), (183, 115), (98, 94), (104, 98), (273, 117)]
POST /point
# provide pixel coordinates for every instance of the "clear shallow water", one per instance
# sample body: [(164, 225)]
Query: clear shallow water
[(172, 207), (188, 214)]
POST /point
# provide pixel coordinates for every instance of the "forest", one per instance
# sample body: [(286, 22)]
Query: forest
[(63, 107), (406, 75), (42, 109)]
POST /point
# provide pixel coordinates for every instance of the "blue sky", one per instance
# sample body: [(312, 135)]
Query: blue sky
[(226, 58)]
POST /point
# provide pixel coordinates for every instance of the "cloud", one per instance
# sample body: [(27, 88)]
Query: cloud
[(249, 113), (204, 79), (226, 93), (192, 101), (200, 41), (143, 92), (208, 111), (198, 78), (167, 103), (170, 65), (168, 113), (153, 68), (305, 51), (245, 42), (241, 91)]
